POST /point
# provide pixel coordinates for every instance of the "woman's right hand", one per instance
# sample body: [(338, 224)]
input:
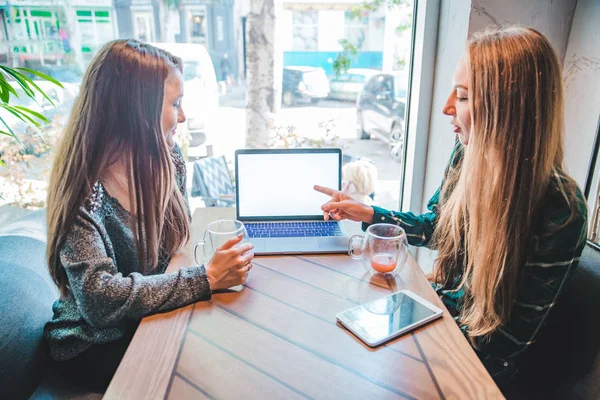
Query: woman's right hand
[(341, 206), (229, 266)]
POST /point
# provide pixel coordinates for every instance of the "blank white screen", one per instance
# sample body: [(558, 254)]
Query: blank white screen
[(277, 185)]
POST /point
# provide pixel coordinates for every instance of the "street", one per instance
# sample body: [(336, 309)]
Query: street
[(310, 121)]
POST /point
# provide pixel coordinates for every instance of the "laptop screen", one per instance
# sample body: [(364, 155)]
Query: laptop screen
[(278, 184)]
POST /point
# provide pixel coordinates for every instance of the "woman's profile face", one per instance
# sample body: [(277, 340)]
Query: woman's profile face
[(172, 112), (458, 103)]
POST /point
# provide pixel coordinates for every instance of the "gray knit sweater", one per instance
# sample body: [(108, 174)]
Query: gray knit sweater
[(108, 295)]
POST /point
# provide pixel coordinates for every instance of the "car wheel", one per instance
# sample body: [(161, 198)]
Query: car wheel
[(288, 98), (360, 128), (397, 142)]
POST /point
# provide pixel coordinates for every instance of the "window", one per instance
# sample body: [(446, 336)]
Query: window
[(198, 26), (95, 27), (144, 26), (592, 192), (3, 38), (400, 85), (356, 29), (319, 111), (220, 32), (306, 30)]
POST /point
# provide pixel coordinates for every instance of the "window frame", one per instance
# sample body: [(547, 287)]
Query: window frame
[(592, 192), (198, 10), (314, 25)]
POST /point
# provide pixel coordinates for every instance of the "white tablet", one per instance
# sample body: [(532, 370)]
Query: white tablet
[(380, 320)]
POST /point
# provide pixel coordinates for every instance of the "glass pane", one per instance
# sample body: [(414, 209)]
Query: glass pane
[(318, 107)]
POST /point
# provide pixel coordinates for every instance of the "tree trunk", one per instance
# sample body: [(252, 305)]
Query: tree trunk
[(264, 71)]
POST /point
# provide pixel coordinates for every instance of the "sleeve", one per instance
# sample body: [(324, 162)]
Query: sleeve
[(418, 228), (550, 263), (105, 297)]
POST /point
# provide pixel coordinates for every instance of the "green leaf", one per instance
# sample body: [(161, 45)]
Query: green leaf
[(20, 114), (23, 117), (4, 94), (41, 75), (25, 82), (34, 113), (32, 83), (19, 80), (7, 86), (11, 131)]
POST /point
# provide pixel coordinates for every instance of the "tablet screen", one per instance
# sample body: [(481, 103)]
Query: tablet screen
[(382, 318)]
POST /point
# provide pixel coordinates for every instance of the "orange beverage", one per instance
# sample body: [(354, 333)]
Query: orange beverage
[(383, 263)]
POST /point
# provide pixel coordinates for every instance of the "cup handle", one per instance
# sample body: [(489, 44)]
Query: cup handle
[(197, 246), (351, 247)]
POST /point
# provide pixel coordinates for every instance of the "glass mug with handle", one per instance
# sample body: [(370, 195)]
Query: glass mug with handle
[(215, 236), (383, 249)]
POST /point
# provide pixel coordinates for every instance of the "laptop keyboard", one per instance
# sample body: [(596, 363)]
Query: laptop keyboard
[(292, 229)]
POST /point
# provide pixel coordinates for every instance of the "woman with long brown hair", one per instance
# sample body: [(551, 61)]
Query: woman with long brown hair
[(508, 222), (117, 213)]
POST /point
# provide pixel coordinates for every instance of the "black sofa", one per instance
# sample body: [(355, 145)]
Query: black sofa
[(27, 294)]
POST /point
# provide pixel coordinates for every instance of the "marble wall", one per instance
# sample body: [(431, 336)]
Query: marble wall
[(551, 17)]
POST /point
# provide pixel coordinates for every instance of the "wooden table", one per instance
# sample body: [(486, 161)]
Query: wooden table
[(278, 339)]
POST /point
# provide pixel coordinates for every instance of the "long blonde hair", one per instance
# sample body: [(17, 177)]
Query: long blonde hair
[(489, 204), (118, 116)]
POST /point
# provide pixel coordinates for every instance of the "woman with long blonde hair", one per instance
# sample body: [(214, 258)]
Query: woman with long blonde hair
[(508, 222), (117, 213)]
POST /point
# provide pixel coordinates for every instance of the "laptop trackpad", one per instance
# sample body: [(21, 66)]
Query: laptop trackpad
[(292, 245), (334, 243), (259, 245)]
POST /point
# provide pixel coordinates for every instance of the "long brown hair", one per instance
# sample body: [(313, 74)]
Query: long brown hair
[(489, 204), (117, 116)]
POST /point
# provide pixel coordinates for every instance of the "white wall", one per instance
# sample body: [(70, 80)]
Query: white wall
[(287, 30), (551, 17), (331, 29), (581, 72)]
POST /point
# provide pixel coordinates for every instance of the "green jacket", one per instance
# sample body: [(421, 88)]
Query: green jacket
[(552, 257)]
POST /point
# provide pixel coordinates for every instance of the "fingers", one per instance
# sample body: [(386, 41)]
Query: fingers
[(232, 242), (242, 248), (333, 206), (246, 258), (338, 216), (326, 190)]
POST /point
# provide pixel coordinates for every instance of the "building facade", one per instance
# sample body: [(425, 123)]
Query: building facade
[(209, 23), (311, 33), (40, 32)]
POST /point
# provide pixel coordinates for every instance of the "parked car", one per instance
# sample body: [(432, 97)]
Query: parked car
[(380, 111), (304, 84), (349, 85), (201, 90)]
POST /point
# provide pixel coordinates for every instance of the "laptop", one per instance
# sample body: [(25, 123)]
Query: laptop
[(276, 201)]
